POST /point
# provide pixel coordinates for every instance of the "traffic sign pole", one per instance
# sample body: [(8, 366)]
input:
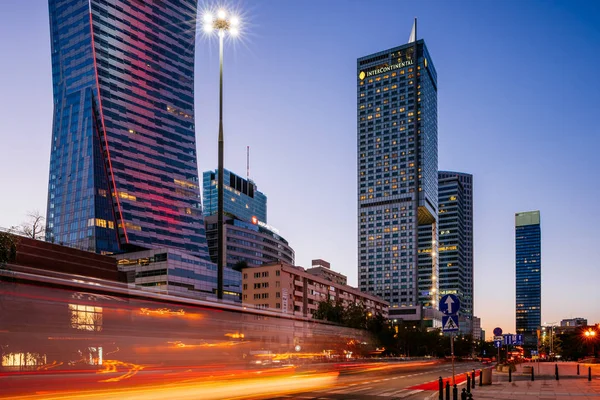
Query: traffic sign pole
[(452, 352)]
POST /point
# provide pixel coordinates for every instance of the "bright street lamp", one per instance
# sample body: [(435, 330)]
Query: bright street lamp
[(223, 23)]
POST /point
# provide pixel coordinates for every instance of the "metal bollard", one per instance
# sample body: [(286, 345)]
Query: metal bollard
[(577, 369), (589, 374), (556, 371), (532, 374), (448, 389), (455, 392), (468, 389), (509, 374), (473, 379), (480, 377), (463, 394), (441, 388)]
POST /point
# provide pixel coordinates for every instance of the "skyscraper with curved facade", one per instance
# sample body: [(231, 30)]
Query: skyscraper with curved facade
[(123, 166)]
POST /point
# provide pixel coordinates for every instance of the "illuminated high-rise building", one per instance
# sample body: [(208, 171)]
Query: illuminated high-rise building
[(528, 245), (242, 198), (397, 178), (123, 166), (456, 237)]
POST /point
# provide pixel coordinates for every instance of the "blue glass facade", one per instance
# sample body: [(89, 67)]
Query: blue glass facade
[(242, 198), (528, 275), (123, 167), (397, 176)]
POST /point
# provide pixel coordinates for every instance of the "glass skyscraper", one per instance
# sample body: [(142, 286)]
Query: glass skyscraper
[(241, 199), (528, 275), (456, 237), (397, 178), (123, 167)]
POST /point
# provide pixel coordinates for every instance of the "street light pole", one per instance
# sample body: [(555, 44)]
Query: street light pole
[(222, 23), (220, 193)]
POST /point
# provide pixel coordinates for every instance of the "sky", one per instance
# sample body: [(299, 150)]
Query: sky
[(518, 105)]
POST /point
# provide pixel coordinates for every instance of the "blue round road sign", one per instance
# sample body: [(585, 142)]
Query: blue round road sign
[(497, 331), (449, 304)]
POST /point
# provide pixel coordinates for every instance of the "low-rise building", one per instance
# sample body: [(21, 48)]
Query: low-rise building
[(323, 269), (176, 272), (292, 290), (573, 322)]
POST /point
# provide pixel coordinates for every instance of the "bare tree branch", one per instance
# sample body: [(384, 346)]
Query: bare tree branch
[(35, 226)]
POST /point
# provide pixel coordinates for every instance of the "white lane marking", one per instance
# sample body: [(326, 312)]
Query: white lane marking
[(403, 395), (390, 393), (348, 390)]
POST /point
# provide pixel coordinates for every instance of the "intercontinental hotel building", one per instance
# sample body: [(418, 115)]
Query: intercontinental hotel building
[(398, 179)]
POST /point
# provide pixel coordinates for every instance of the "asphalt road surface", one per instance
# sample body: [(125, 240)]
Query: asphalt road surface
[(408, 382)]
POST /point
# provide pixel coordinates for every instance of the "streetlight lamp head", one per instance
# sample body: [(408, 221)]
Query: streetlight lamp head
[(221, 14), (208, 18), (234, 21)]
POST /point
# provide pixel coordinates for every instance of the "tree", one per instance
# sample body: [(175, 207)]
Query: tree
[(8, 248), (330, 311), (34, 227)]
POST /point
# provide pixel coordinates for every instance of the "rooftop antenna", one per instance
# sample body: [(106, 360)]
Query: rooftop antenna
[(413, 33), (247, 162)]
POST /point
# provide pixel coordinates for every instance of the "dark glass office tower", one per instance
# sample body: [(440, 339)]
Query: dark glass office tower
[(529, 276), (242, 198), (455, 196), (123, 167), (397, 178)]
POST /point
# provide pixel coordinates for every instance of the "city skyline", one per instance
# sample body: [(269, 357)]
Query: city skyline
[(489, 99)]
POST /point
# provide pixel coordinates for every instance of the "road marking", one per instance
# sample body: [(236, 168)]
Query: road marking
[(348, 390), (410, 393)]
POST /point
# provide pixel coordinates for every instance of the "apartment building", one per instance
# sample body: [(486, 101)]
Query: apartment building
[(292, 290)]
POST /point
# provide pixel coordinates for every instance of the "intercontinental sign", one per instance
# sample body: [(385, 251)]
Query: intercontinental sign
[(380, 70)]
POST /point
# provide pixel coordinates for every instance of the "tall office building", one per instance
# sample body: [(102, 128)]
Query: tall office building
[(397, 177), (528, 275), (123, 167), (455, 214), (242, 198)]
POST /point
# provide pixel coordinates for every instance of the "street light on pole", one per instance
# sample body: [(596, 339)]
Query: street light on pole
[(590, 335), (222, 24)]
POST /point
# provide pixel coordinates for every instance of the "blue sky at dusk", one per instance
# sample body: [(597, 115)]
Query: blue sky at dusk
[(518, 107)]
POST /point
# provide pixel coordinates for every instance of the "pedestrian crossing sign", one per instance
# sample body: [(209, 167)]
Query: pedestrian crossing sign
[(450, 323)]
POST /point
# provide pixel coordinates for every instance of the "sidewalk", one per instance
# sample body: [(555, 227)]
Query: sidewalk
[(545, 386)]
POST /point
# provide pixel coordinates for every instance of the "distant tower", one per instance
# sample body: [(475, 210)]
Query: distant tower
[(528, 275)]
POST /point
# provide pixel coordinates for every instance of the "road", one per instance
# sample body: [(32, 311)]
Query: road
[(399, 382), (355, 380)]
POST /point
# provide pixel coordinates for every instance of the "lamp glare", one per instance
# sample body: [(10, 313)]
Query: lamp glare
[(221, 14), (207, 18), (234, 21), (208, 28), (234, 31)]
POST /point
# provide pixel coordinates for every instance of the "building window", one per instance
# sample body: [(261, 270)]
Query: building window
[(245, 286), (277, 273)]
